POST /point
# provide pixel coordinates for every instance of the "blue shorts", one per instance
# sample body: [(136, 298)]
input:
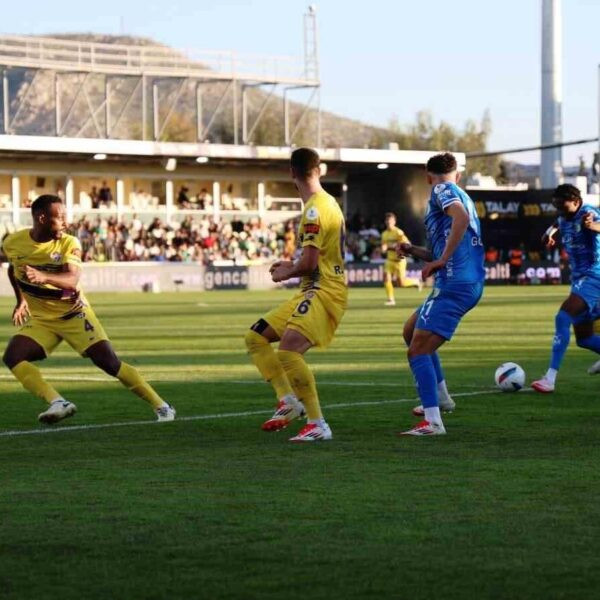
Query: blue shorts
[(588, 289), (445, 307)]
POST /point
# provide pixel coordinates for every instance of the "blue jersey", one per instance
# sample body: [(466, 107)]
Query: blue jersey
[(466, 264), (582, 245)]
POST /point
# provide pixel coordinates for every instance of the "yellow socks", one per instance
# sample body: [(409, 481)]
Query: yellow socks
[(406, 282), (266, 361), (31, 379), (303, 382), (130, 377), (389, 290)]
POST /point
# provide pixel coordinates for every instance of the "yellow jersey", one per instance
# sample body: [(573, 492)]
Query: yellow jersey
[(322, 226), (44, 301), (392, 237)]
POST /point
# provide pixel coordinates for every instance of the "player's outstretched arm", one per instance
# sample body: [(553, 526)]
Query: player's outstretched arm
[(549, 237), (590, 223), (305, 265), (407, 249), (460, 222), (67, 280)]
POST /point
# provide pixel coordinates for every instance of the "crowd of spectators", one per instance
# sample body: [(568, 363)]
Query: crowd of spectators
[(199, 240)]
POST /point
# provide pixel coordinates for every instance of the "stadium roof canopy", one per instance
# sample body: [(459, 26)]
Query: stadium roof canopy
[(45, 147)]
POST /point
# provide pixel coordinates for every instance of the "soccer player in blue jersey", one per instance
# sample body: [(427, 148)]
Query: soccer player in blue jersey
[(579, 226), (455, 257)]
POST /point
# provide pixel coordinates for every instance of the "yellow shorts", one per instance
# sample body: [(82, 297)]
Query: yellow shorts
[(79, 331), (395, 268), (316, 314)]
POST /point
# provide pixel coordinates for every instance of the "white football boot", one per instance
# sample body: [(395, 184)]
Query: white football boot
[(288, 409), (426, 428), (595, 368), (543, 386), (390, 303), (57, 411), (165, 413), (313, 432)]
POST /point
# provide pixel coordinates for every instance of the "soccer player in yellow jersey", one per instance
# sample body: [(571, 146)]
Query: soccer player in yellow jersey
[(312, 315), (45, 266), (395, 266)]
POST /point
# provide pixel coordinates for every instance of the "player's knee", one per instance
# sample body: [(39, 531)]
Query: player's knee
[(255, 337), (563, 319), (414, 349), (254, 340), (407, 333), (9, 359)]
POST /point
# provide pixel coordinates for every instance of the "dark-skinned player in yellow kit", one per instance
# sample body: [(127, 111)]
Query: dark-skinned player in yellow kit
[(45, 267)]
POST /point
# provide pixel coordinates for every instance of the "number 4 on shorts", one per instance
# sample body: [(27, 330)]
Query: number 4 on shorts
[(88, 326)]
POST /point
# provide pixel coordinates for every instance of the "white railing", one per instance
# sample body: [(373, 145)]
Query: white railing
[(62, 54)]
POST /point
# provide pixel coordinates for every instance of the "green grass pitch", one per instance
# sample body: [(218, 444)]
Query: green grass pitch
[(505, 506)]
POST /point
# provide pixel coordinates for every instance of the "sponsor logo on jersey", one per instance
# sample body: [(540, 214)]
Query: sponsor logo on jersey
[(439, 188), (312, 213), (311, 228)]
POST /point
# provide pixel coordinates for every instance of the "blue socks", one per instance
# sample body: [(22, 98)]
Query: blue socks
[(562, 333), (590, 343), (437, 365), (423, 369)]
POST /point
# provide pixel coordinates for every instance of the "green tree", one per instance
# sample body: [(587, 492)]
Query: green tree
[(426, 134)]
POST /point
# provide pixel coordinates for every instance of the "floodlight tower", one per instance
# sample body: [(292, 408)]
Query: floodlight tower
[(311, 49), (551, 165), (311, 59)]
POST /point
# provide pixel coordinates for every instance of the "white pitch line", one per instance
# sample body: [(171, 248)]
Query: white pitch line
[(249, 413), (183, 379)]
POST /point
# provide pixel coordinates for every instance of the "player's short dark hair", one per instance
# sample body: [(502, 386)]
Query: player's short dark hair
[(303, 161), (42, 203), (566, 191), (390, 214), (442, 164)]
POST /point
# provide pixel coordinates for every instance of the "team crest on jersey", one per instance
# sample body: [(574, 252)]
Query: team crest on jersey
[(312, 213), (577, 227), (56, 256), (439, 188)]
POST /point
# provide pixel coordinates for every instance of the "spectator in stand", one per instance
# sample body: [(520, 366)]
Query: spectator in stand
[(94, 197), (492, 255), (204, 199), (105, 196), (183, 200), (515, 260)]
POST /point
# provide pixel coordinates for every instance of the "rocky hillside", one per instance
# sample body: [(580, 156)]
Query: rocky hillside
[(37, 113)]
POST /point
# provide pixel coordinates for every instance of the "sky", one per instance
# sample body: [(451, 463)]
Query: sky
[(380, 59)]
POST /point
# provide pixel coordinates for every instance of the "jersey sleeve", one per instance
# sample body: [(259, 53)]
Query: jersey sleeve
[(312, 232), (402, 237), (445, 194), (72, 254)]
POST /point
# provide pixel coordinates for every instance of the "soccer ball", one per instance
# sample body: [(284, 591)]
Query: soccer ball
[(510, 377)]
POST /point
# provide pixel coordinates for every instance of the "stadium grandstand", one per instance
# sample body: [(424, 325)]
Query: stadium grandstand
[(102, 139)]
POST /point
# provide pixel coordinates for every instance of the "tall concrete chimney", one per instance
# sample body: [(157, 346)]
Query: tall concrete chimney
[(551, 167)]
